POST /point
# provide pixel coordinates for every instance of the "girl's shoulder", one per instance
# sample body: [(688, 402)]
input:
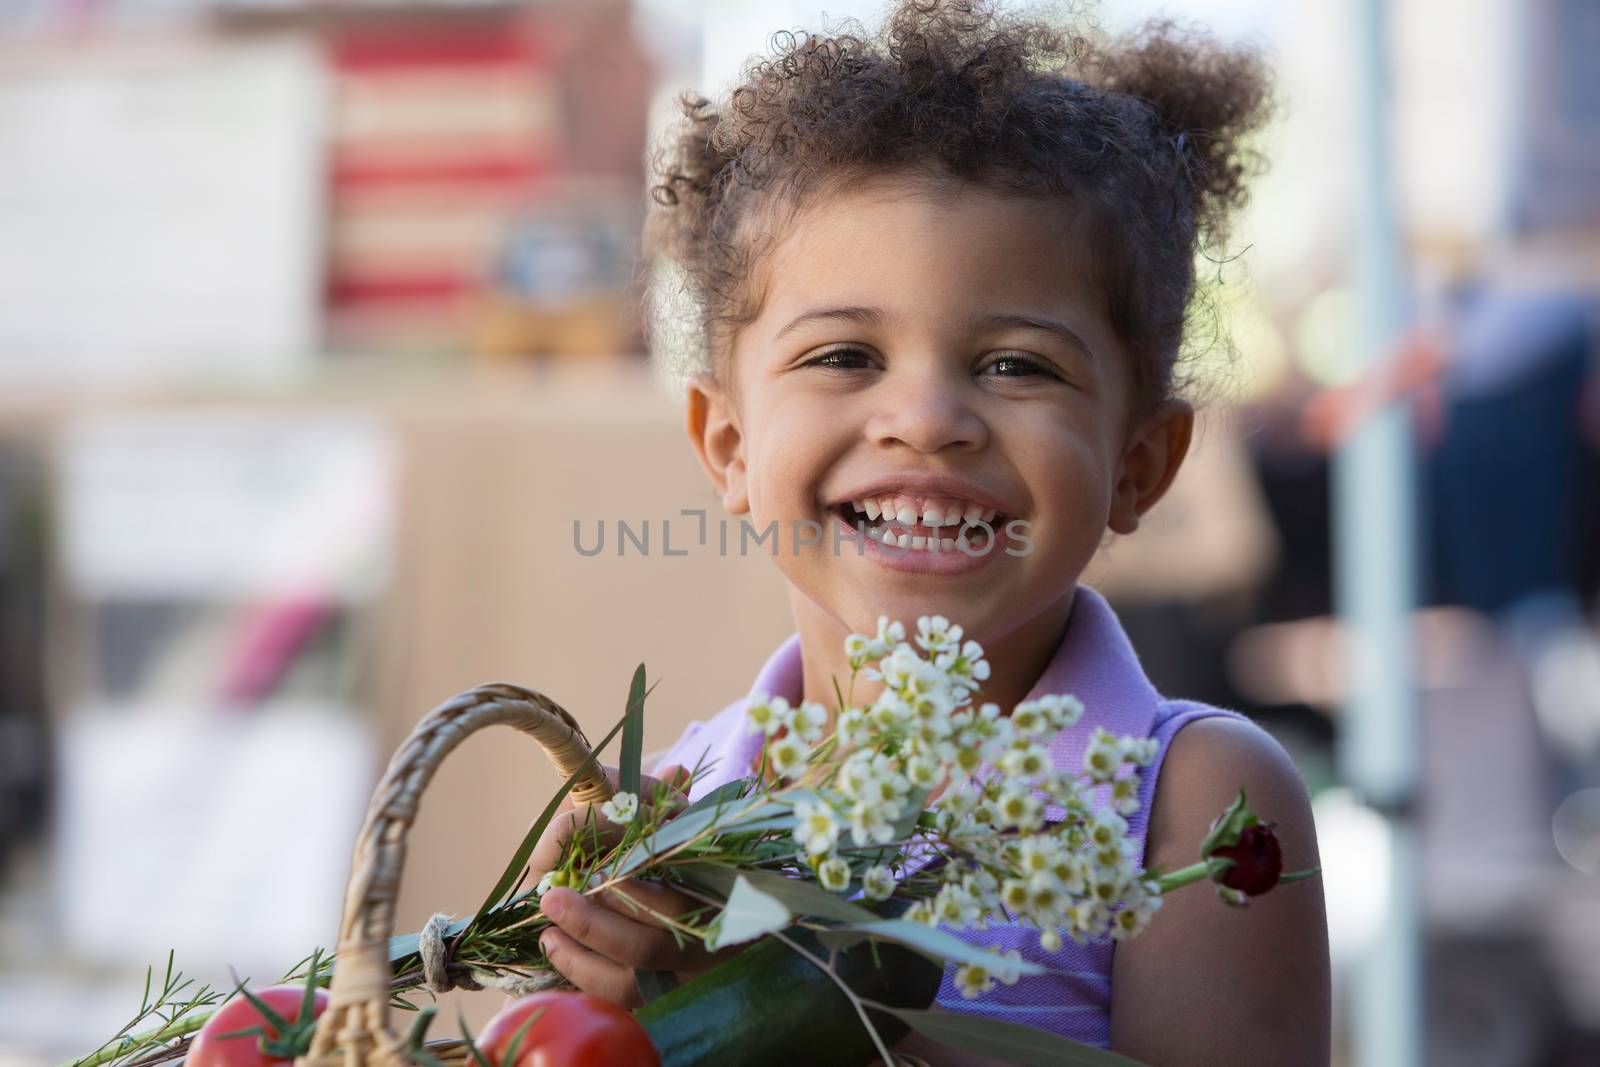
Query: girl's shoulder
[(1207, 755)]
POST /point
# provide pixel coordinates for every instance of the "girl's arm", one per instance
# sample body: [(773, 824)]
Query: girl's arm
[(1210, 984)]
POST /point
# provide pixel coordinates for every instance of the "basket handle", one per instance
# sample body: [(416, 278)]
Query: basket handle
[(354, 1031)]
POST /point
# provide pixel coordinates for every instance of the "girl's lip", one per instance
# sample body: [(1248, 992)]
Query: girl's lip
[(921, 560)]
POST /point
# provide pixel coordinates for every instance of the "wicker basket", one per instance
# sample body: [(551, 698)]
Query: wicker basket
[(355, 1031)]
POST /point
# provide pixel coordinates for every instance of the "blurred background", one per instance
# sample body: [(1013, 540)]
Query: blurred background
[(319, 329)]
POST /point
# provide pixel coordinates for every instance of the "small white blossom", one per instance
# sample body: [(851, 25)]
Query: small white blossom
[(889, 635), (766, 714), (788, 755), (621, 808), (809, 720), (872, 823), (833, 874), (968, 759), (853, 728), (1134, 916), (1062, 710), (1102, 756), (878, 882), (858, 648), (1142, 751), (816, 827), (1029, 719), (955, 906), (1029, 760), (1106, 827), (922, 772), (935, 634), (1125, 795), (1018, 807), (1050, 939), (973, 980)]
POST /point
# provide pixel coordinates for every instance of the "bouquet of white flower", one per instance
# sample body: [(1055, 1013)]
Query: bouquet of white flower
[(921, 813)]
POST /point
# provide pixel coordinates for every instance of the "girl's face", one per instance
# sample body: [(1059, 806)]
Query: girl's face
[(932, 358)]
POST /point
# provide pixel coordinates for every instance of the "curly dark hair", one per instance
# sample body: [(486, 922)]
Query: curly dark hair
[(1145, 135)]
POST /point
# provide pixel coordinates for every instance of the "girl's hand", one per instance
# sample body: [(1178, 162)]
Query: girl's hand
[(598, 941)]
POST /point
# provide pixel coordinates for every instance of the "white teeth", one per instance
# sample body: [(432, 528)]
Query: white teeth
[(947, 544), (973, 513), (919, 542), (906, 515), (932, 516), (870, 507), (989, 514)]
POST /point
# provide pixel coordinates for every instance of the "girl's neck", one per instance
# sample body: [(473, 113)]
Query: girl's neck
[(1016, 660)]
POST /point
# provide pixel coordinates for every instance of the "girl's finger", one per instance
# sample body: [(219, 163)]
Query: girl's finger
[(617, 938), (547, 850), (589, 971)]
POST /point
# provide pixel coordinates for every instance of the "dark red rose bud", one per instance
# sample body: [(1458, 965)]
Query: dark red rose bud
[(1257, 861)]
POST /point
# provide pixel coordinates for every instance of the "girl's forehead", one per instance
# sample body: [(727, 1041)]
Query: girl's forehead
[(904, 240)]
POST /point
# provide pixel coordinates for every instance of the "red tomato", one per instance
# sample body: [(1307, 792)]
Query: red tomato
[(211, 1049), (572, 1030)]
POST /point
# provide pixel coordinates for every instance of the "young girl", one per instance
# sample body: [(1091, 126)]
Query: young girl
[(942, 278)]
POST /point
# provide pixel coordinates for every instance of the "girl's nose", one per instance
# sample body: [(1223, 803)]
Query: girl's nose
[(927, 411)]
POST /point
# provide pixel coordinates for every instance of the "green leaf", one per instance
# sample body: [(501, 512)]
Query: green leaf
[(726, 793), (937, 944), (513, 869), (478, 1058), (632, 735), (799, 896), (1228, 826), (1012, 1042), (419, 1028), (1299, 876), (741, 817), (749, 914)]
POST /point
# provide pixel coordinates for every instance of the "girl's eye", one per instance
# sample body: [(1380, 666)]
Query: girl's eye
[(1014, 367), (841, 359)]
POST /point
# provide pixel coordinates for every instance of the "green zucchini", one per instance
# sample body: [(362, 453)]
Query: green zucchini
[(770, 1007)]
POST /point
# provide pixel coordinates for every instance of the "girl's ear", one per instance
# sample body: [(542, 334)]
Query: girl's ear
[(718, 442), (1150, 462)]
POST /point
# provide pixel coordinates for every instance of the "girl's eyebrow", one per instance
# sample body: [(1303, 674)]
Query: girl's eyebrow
[(1038, 322), (864, 316)]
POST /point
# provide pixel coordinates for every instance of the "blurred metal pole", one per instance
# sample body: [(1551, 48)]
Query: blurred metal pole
[(1375, 586)]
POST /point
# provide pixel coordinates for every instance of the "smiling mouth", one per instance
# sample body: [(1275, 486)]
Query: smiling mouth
[(940, 530)]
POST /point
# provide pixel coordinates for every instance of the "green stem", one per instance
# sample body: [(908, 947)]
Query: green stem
[(1195, 872), (164, 1033)]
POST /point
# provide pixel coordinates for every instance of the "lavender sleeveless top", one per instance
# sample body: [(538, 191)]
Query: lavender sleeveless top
[(1096, 664)]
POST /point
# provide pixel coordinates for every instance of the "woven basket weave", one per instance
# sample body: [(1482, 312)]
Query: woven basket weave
[(355, 1031)]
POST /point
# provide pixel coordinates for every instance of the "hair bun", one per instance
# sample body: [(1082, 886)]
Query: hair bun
[(1208, 96)]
